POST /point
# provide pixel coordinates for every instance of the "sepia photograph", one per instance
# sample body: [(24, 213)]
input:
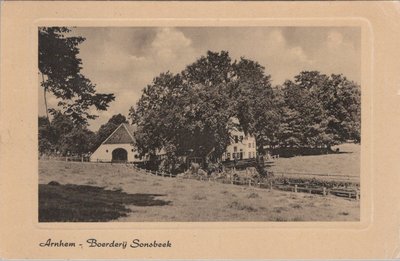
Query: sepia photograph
[(199, 124), (218, 130)]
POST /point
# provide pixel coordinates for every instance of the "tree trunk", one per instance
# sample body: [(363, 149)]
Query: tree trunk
[(45, 99)]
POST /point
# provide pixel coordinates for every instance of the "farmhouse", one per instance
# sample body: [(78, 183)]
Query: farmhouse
[(242, 147), (118, 147)]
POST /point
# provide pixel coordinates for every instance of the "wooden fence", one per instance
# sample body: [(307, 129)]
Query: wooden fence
[(322, 176), (273, 183), (352, 192), (66, 158), (153, 172)]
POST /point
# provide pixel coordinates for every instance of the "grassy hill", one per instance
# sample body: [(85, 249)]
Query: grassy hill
[(105, 192), (347, 162)]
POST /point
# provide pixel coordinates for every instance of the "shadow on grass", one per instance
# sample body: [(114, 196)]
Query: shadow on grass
[(79, 203)]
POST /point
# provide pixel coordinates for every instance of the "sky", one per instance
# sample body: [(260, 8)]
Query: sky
[(124, 60)]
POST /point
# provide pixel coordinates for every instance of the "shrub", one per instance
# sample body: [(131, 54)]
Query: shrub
[(253, 195), (240, 206)]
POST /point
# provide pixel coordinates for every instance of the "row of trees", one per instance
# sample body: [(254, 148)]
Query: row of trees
[(64, 136), (192, 111), (317, 110)]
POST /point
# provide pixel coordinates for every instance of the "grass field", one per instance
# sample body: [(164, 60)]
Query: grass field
[(105, 192), (347, 162)]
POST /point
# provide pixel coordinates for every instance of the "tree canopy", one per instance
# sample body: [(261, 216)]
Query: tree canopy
[(254, 103), (63, 136), (192, 112), (319, 110), (60, 69)]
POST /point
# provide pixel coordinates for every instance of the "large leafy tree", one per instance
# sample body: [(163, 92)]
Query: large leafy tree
[(157, 113), (305, 113), (60, 70), (254, 102), (47, 136), (320, 110), (189, 112), (77, 142), (192, 112), (64, 136), (341, 99), (208, 106)]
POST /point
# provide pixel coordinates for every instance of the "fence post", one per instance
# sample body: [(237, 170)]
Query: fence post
[(249, 182), (170, 174), (232, 180), (324, 191), (81, 158), (357, 195), (295, 188)]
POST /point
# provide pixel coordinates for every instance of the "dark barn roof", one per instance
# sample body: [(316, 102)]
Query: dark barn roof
[(123, 134)]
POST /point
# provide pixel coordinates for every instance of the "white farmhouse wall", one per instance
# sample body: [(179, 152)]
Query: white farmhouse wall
[(242, 145), (104, 152)]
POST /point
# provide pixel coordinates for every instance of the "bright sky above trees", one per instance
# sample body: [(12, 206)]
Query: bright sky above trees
[(124, 60)]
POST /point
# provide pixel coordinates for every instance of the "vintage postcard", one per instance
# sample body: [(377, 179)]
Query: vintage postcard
[(199, 130)]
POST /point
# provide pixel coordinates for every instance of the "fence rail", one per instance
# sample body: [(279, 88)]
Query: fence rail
[(352, 192), (321, 176), (66, 158), (349, 192)]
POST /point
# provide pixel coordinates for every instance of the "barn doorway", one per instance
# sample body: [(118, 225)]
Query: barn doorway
[(119, 155)]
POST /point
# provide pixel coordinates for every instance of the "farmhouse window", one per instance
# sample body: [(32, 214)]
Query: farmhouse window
[(236, 139), (228, 155), (235, 149), (249, 145)]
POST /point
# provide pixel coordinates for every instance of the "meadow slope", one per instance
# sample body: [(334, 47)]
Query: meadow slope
[(132, 196), (347, 162)]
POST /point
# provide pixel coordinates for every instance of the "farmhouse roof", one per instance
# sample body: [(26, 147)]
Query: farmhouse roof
[(122, 134)]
